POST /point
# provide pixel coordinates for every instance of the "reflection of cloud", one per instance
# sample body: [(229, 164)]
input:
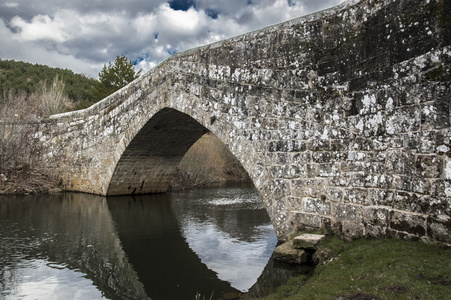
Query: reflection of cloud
[(236, 201), (39, 279), (235, 261)]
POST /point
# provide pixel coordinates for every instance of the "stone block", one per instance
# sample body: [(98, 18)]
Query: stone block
[(329, 170), (289, 254), (435, 115), (335, 194), (429, 166), (356, 196), (447, 168), (352, 230), (302, 157), (405, 119), (381, 197), (311, 187), (413, 224), (317, 206), (347, 212), (308, 241), (375, 220), (439, 228), (308, 220)]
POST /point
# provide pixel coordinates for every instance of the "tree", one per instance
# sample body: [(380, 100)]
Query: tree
[(115, 76), (53, 99)]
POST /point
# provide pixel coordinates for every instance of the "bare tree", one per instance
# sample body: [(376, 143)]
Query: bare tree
[(52, 98), (18, 145)]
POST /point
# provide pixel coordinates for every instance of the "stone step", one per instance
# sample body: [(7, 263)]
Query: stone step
[(289, 254), (308, 241)]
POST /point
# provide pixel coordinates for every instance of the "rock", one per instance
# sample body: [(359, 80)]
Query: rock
[(439, 227), (289, 254), (307, 241), (231, 296), (55, 190)]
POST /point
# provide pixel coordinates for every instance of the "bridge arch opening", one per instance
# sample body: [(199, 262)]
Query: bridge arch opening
[(149, 162)]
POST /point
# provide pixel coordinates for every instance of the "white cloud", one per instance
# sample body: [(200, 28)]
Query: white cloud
[(40, 28), (10, 4), (83, 35), (34, 52), (185, 22)]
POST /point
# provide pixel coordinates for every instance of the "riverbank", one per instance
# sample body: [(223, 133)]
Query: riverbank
[(374, 269), (27, 181)]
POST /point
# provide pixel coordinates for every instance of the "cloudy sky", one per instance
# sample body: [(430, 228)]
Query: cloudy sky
[(83, 35)]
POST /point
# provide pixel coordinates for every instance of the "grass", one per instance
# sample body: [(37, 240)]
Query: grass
[(384, 269)]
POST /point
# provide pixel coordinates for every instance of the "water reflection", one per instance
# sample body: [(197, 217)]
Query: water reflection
[(150, 235), (60, 241), (40, 279), (228, 229), (202, 241), (168, 246)]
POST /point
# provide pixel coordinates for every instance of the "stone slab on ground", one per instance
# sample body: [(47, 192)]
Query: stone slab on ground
[(289, 254), (307, 241)]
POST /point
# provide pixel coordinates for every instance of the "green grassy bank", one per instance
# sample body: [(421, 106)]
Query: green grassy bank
[(375, 269)]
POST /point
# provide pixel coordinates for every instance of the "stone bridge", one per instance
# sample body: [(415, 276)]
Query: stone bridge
[(341, 118)]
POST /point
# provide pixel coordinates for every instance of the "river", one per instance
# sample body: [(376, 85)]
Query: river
[(166, 246)]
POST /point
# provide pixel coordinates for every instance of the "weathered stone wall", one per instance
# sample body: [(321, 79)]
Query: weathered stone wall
[(341, 118)]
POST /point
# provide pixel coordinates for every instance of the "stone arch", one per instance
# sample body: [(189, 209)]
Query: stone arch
[(148, 163)]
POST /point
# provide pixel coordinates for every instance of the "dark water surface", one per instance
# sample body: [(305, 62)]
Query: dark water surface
[(166, 246)]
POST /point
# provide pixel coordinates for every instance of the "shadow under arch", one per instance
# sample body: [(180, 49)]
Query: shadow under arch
[(149, 162)]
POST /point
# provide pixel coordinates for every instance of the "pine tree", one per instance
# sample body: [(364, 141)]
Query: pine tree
[(115, 76)]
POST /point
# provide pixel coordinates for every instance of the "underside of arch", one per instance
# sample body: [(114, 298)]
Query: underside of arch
[(149, 162)]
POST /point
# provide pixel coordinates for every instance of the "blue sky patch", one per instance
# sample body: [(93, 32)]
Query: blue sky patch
[(182, 4), (212, 13), (143, 57)]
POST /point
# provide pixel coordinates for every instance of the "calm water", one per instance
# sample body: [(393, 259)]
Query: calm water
[(168, 246)]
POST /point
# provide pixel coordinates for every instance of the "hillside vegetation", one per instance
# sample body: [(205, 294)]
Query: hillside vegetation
[(22, 77)]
